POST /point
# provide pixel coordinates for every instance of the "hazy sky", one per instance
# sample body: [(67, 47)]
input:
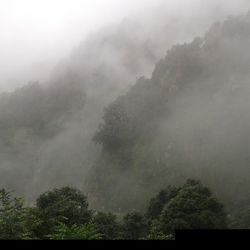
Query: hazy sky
[(36, 33)]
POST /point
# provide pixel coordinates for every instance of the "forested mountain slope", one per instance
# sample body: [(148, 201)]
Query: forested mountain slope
[(47, 128), (190, 119)]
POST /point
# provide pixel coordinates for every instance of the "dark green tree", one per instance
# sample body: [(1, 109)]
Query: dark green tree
[(193, 207), (157, 204), (65, 205), (156, 234), (84, 232), (134, 226), (107, 225), (13, 218)]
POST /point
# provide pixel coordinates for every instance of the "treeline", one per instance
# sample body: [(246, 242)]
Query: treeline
[(64, 213)]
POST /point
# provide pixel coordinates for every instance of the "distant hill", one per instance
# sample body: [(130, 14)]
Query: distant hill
[(159, 131), (190, 119)]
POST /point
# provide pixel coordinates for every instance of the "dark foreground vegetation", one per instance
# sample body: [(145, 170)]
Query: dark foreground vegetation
[(64, 213)]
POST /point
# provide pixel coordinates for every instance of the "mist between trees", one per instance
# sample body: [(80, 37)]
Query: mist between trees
[(121, 140)]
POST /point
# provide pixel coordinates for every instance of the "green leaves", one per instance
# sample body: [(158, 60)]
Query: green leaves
[(193, 207), (157, 204), (134, 226), (156, 234), (62, 214), (13, 218), (107, 225), (84, 232), (66, 204)]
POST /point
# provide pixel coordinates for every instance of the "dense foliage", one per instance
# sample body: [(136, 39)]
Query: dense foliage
[(16, 221), (63, 214)]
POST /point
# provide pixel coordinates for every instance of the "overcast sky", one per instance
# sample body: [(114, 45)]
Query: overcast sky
[(38, 33)]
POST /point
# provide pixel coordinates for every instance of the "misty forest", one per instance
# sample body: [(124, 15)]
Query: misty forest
[(142, 130)]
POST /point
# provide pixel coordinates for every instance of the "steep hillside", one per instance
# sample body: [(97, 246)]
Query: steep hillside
[(190, 119), (47, 128)]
